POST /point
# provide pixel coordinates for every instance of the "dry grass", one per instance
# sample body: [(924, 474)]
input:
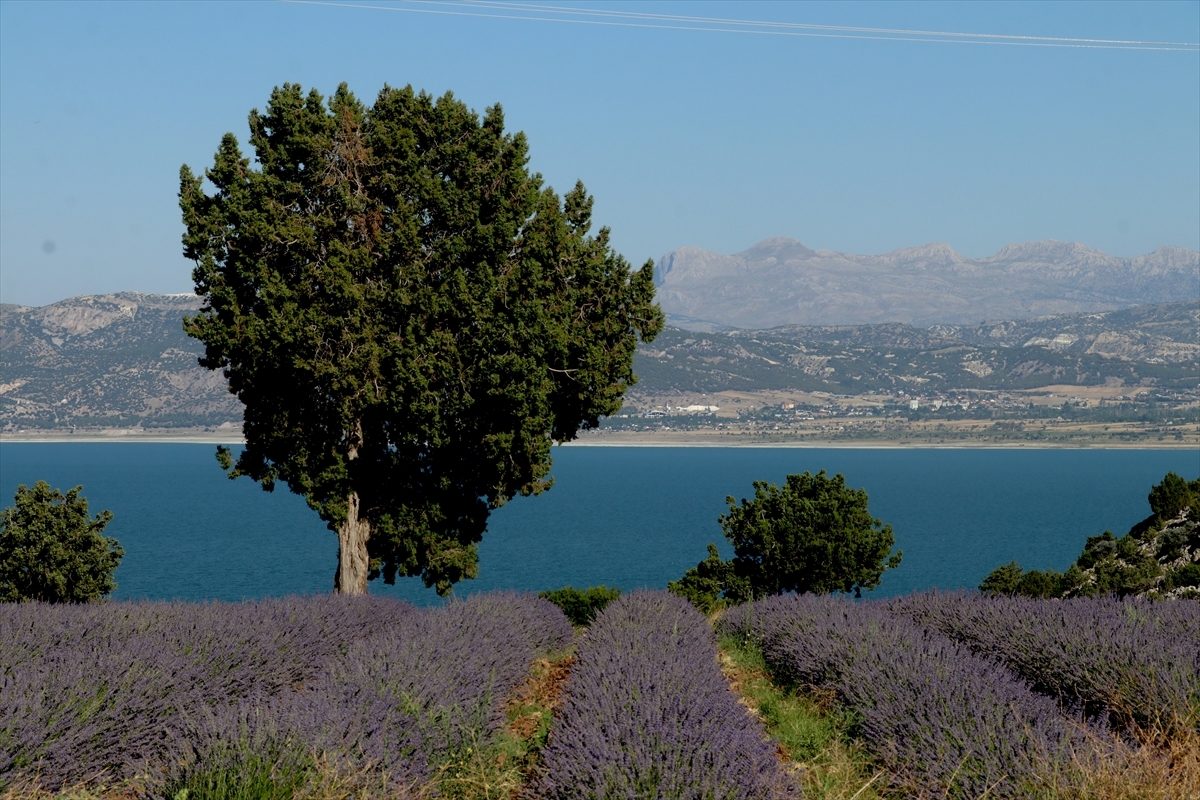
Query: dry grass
[(1164, 766), (502, 770)]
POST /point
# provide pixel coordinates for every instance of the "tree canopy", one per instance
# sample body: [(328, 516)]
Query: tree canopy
[(813, 534), (409, 317), (1171, 496), (51, 550), (581, 605)]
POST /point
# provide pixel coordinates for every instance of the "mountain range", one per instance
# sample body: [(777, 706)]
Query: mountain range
[(781, 282), (1157, 347), (123, 360), (117, 360)]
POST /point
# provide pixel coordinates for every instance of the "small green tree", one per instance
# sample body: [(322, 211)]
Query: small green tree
[(706, 584), (811, 535), (1003, 580), (1172, 496), (51, 550), (581, 605)]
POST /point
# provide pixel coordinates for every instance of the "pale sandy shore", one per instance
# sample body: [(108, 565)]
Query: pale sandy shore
[(681, 439), (884, 444), (122, 436)]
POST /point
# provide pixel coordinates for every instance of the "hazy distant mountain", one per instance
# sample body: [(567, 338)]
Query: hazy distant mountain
[(781, 282)]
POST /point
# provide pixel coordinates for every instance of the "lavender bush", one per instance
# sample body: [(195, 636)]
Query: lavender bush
[(1137, 659), (942, 718), (425, 689), (168, 688), (649, 715)]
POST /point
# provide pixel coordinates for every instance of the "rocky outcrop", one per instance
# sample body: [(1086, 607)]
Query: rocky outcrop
[(1156, 560)]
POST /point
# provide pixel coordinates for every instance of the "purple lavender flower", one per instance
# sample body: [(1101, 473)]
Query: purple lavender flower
[(944, 719), (1138, 660), (649, 715), (143, 688)]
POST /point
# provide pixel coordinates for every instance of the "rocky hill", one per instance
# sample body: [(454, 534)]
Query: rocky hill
[(1153, 346), (118, 360), (781, 282), (122, 360)]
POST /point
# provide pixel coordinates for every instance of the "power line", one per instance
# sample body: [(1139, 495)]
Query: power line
[(500, 4), (531, 12)]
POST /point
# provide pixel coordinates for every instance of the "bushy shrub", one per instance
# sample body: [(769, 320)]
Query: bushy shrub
[(813, 534), (581, 605), (1011, 580), (51, 550), (1172, 495), (1187, 575)]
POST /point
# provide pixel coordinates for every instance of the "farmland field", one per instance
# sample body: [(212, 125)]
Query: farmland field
[(947, 695)]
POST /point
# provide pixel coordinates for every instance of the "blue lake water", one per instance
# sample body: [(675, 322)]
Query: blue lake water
[(623, 516)]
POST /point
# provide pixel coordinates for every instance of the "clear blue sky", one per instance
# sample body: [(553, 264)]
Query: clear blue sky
[(711, 138)]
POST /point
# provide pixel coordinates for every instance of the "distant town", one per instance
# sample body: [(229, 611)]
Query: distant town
[(1078, 415)]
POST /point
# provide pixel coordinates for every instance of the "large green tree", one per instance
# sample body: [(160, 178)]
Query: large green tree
[(52, 550), (813, 534), (409, 317)]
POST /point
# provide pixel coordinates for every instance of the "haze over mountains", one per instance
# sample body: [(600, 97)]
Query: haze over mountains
[(780, 282)]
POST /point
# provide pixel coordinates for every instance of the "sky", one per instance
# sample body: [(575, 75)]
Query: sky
[(709, 134)]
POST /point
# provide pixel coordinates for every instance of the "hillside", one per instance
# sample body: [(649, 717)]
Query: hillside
[(1156, 346), (781, 282), (122, 360), (116, 360)]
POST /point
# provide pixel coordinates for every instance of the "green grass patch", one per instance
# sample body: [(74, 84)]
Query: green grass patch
[(500, 768), (812, 730)]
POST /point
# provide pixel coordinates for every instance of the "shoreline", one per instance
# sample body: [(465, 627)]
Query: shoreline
[(653, 440)]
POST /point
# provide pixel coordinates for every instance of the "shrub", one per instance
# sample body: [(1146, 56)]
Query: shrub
[(51, 550), (581, 605), (1172, 495), (813, 534), (1002, 580), (1185, 576), (1010, 580)]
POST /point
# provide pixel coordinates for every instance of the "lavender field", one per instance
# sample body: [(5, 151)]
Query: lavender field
[(168, 693), (966, 696), (649, 715), (951, 695)]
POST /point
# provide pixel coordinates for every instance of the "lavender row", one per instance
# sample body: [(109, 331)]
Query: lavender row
[(410, 696), (1138, 660), (85, 688), (143, 688), (943, 719), (648, 714)]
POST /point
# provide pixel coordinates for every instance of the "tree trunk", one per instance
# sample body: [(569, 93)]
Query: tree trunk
[(353, 563)]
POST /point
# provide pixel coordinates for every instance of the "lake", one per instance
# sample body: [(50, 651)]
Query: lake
[(624, 516)]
